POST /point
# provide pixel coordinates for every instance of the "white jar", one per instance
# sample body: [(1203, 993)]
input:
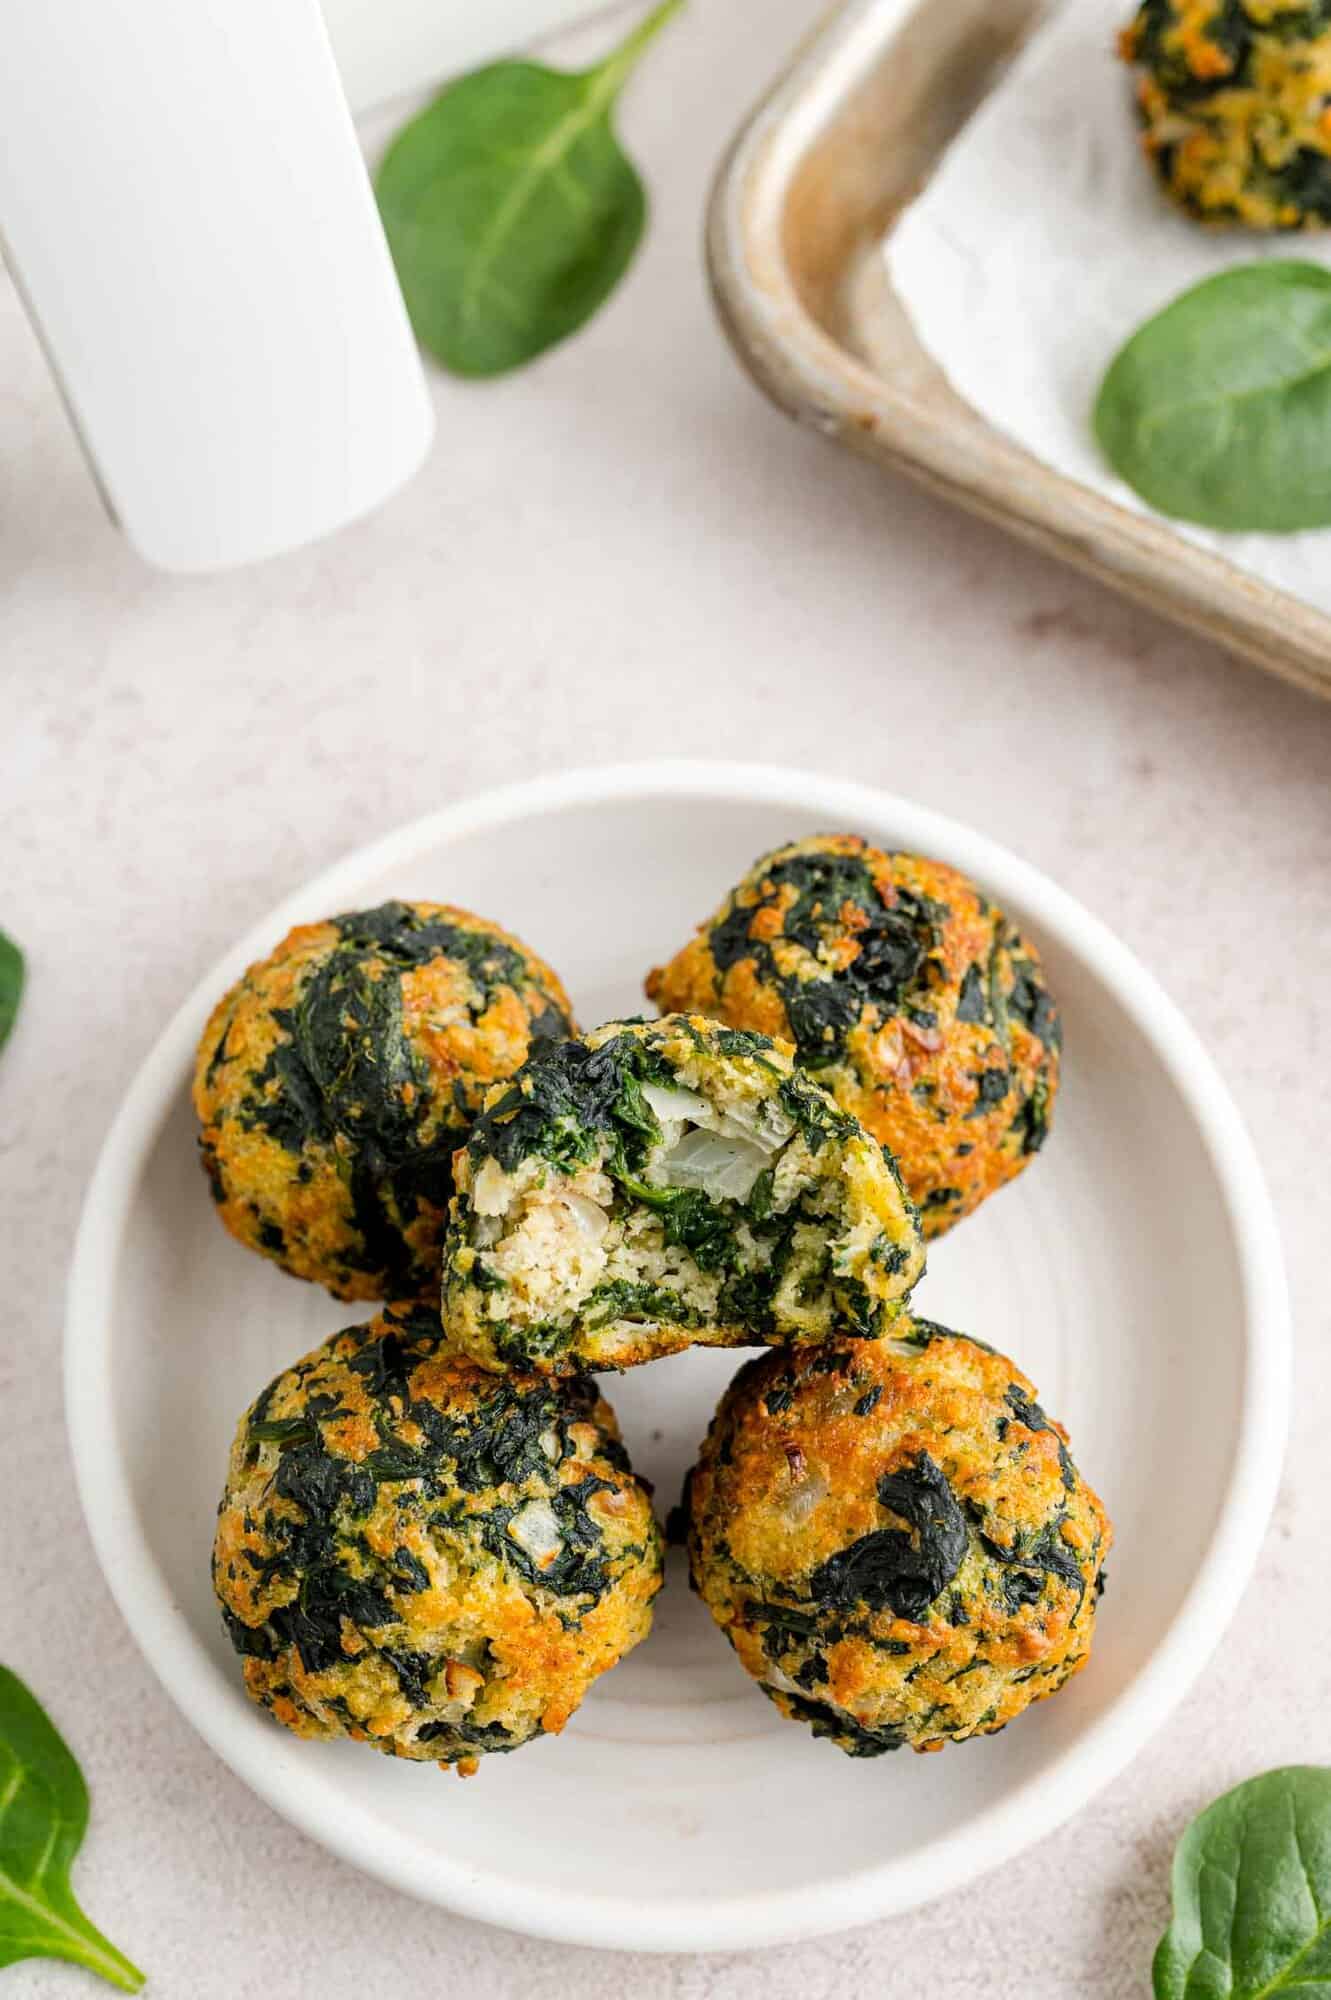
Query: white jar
[(186, 210)]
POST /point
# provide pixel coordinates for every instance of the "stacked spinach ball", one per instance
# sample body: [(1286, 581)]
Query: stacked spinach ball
[(431, 1537)]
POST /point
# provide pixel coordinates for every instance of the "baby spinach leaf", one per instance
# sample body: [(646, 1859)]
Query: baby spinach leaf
[(510, 209), (1218, 410), (43, 1817), (11, 985), (1252, 1894)]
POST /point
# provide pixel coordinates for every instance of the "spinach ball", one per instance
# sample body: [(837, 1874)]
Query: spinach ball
[(904, 991), (425, 1557), (1235, 106), (895, 1540), (335, 1081), (657, 1185)]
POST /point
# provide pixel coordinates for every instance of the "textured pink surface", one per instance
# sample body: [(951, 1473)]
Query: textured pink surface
[(623, 551)]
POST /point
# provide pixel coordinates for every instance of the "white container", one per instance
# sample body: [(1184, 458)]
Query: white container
[(386, 47), (187, 212)]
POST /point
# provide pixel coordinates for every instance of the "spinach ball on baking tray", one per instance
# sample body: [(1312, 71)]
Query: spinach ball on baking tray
[(905, 992), (426, 1557), (659, 1184), (1234, 101), (895, 1539), (335, 1081)]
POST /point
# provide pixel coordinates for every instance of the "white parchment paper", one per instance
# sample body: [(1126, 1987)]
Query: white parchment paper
[(1042, 242)]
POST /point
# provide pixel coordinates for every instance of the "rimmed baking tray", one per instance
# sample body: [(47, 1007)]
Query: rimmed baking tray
[(802, 203)]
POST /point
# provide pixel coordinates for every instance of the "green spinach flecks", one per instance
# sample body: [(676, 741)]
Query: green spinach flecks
[(852, 1736), (813, 1113), (1032, 1558), (1030, 1003), (282, 1430), (580, 1568), (972, 1000), (991, 1087), (692, 1221), (621, 1298), (1028, 1412), (894, 1569), (568, 1101), (746, 1044), (1030, 1127), (819, 895), (488, 1736)]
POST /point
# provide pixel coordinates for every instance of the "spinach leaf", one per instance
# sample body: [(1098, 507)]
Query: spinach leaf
[(510, 209), (43, 1817), (1252, 1894), (283, 1430), (692, 1220), (1218, 410), (565, 1099), (11, 985), (902, 1571)]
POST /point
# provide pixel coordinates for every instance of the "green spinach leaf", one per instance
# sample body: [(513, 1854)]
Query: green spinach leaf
[(11, 985), (43, 1817), (1218, 410), (510, 209), (1252, 1894)]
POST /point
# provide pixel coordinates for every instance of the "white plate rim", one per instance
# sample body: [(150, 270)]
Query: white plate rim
[(1036, 1808)]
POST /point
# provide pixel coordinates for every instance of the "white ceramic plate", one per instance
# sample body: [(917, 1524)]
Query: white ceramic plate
[(1134, 1272)]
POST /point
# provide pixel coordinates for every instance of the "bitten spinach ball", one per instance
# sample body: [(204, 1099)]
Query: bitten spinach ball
[(904, 991), (1235, 105), (425, 1557), (335, 1081), (657, 1185), (895, 1540)]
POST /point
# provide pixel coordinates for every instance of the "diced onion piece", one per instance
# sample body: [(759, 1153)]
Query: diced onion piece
[(673, 1106), (592, 1221), (463, 1682), (490, 1190), (723, 1168), (801, 1501), (764, 1124), (536, 1532)]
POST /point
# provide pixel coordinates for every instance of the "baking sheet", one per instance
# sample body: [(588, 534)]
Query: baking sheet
[(1042, 242)]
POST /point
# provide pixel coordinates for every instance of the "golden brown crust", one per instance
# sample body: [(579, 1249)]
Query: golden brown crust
[(906, 993), (895, 1540), (416, 1554), (335, 1080)]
